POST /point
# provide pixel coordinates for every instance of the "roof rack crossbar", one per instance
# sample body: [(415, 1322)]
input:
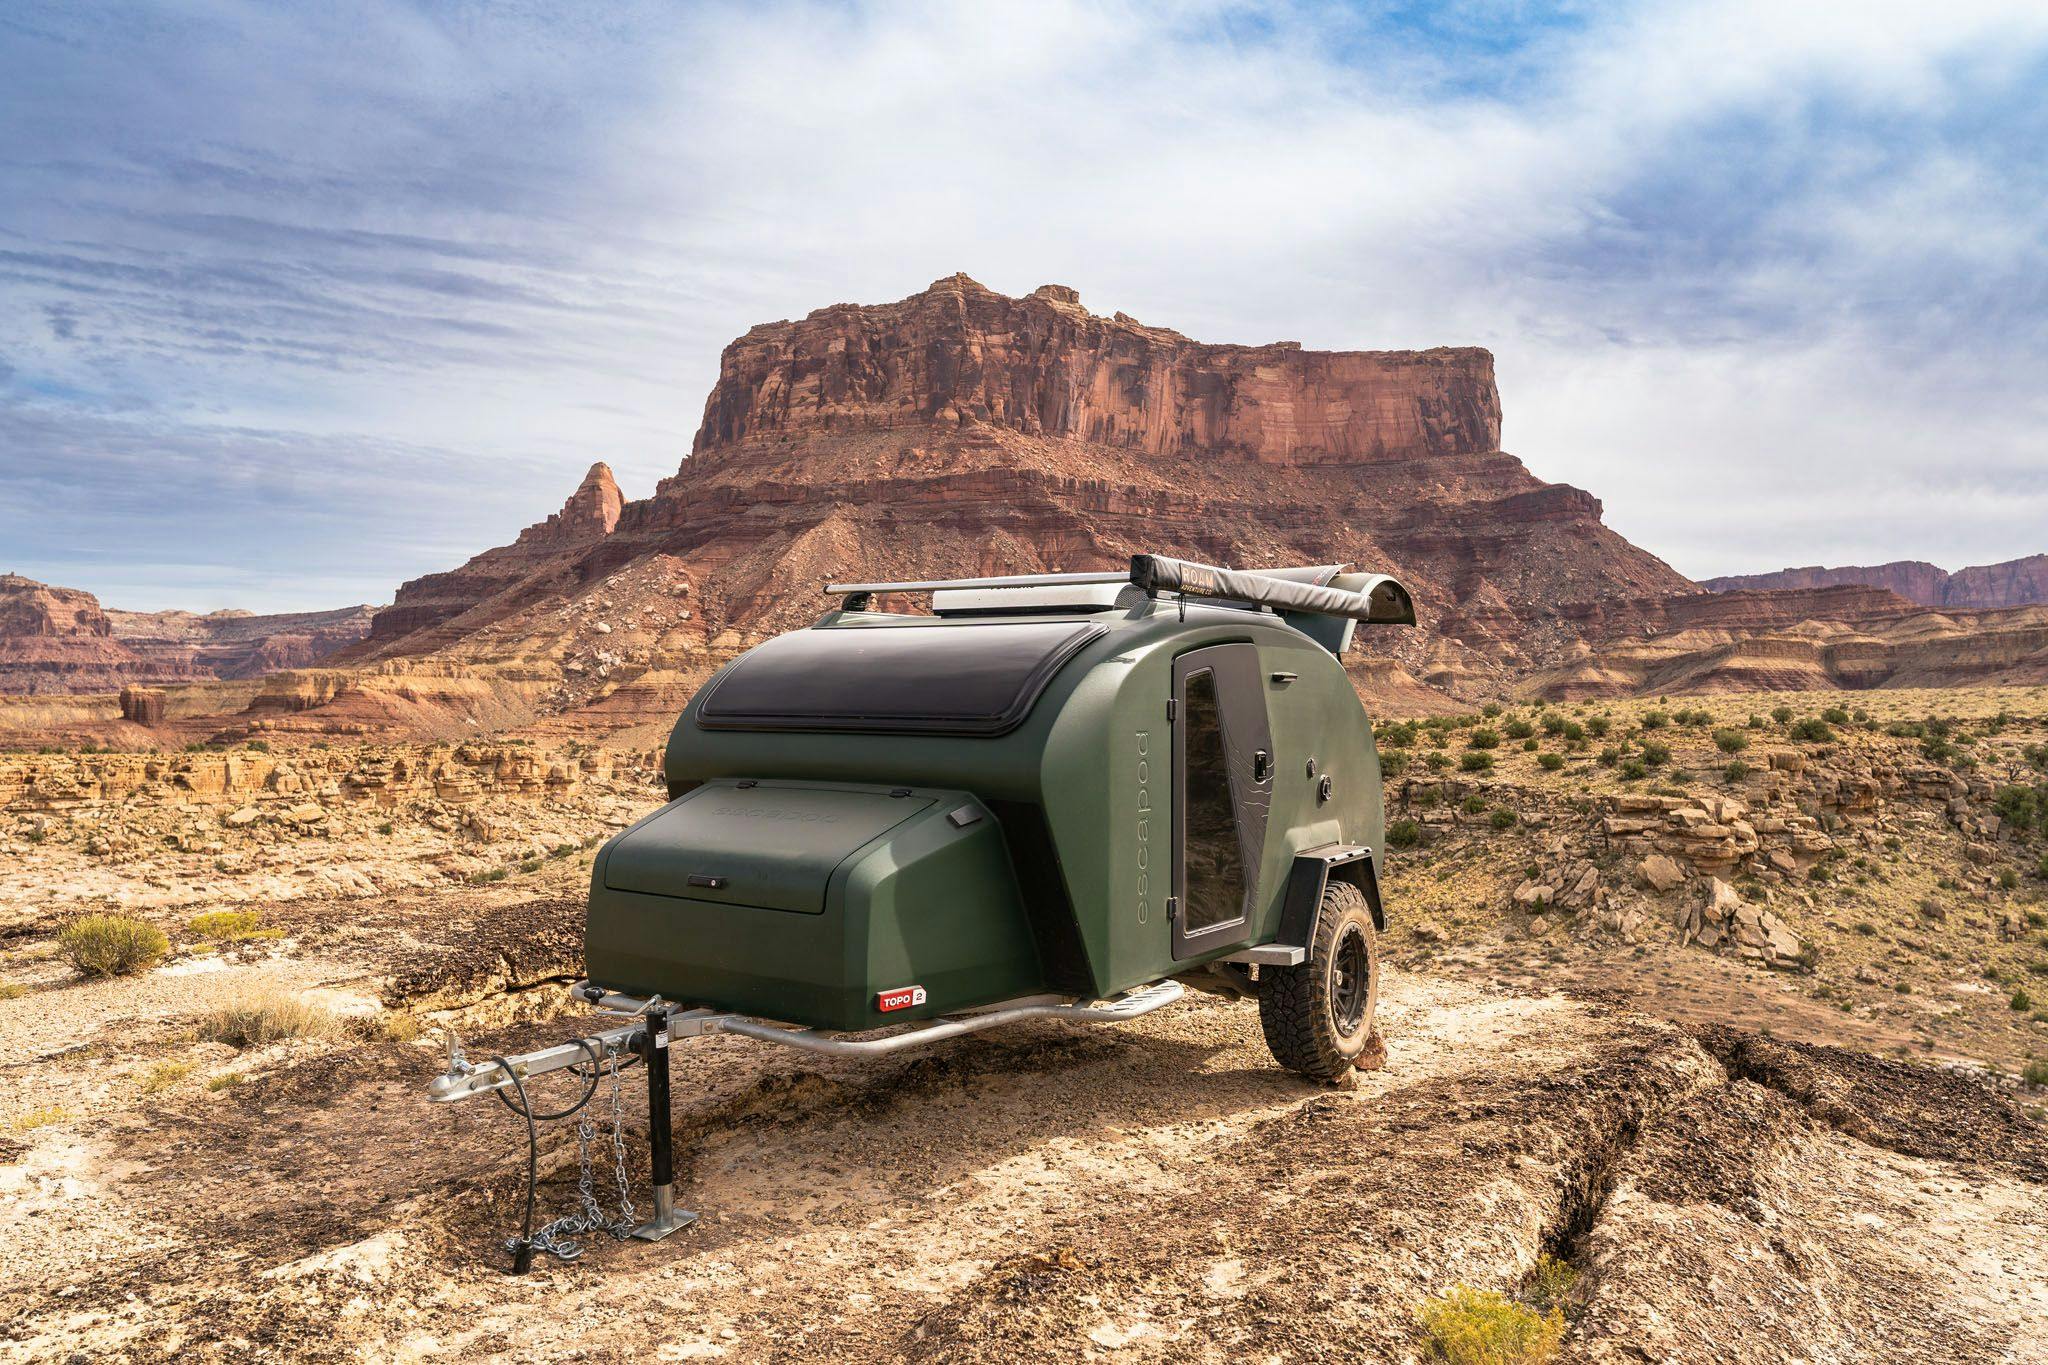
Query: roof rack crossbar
[(1027, 580)]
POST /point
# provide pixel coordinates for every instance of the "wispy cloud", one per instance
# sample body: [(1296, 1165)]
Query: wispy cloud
[(359, 289)]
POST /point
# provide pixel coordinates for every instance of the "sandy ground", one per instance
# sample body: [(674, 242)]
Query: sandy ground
[(1156, 1191)]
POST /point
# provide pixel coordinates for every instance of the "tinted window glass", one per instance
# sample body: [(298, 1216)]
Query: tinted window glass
[(959, 678), (1213, 871)]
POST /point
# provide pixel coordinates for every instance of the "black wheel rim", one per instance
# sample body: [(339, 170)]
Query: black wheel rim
[(1350, 981)]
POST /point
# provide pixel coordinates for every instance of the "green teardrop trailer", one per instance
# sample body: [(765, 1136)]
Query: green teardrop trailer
[(1072, 786), (1061, 795)]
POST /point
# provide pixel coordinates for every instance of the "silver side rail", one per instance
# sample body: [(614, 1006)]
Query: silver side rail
[(464, 1079)]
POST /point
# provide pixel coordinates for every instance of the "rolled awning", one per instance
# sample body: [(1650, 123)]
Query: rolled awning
[(1377, 599)]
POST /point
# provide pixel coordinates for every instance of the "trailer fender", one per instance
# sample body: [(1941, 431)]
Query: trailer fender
[(1312, 871)]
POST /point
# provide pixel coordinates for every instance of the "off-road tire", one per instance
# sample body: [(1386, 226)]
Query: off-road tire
[(1316, 1017)]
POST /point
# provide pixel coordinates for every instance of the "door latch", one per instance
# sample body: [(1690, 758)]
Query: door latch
[(1262, 766)]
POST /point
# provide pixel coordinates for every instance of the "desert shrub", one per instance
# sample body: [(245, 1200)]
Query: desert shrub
[(1480, 1327), (2036, 1074), (1781, 714), (1397, 736), (1655, 720), (112, 945), (2041, 869), (384, 828), (1835, 715), (1550, 763), (1598, 726), (2021, 807), (1633, 770), (1502, 818), (1811, 730), (1656, 754), (1391, 765), (1482, 738), (1404, 834), (1730, 741), (1553, 723), (265, 1015), (1437, 762), (1476, 761), (1425, 799), (1474, 804), (231, 926), (1609, 756), (261, 746), (1550, 1283), (1490, 710), (2007, 879), (2021, 1002), (164, 1075), (1518, 728), (1736, 771), (1573, 732)]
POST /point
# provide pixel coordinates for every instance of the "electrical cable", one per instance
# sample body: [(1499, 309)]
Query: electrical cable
[(521, 1246)]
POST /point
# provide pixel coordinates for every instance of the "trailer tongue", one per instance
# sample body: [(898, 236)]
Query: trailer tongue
[(1058, 796)]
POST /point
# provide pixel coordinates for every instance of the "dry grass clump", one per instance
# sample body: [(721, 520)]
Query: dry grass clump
[(231, 926), (164, 1075), (1480, 1327), (43, 1116), (265, 1015), (112, 945)]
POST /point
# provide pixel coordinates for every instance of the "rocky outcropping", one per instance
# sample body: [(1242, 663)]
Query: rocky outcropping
[(60, 640), (1045, 366), (961, 431), (2013, 583)]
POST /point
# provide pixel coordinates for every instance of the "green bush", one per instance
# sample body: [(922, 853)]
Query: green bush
[(1482, 738), (1550, 763), (1474, 804), (1502, 818), (1736, 771), (1598, 726), (1633, 770), (1404, 834), (1476, 761), (1480, 1327), (1518, 728), (231, 926), (1655, 754), (1573, 732), (1730, 741), (1609, 756), (1781, 714), (2036, 1074), (2021, 1002), (1835, 715), (1811, 730), (112, 945), (1490, 710), (1655, 720)]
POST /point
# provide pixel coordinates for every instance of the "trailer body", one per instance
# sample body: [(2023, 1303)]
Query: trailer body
[(887, 818)]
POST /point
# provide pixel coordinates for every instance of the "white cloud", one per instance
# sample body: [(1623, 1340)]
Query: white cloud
[(1783, 257)]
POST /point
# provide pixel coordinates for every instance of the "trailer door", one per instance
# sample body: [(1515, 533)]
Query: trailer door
[(1223, 783)]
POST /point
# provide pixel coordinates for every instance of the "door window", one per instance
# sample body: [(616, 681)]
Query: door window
[(1213, 880)]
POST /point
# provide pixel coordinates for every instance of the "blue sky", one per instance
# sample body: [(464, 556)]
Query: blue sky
[(296, 303)]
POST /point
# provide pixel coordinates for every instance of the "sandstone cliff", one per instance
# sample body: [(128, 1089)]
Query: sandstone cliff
[(57, 640), (964, 431), (2013, 583)]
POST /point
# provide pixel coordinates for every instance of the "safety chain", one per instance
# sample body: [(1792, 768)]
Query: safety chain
[(556, 1238)]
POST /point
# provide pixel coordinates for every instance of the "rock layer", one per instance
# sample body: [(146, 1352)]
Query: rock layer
[(2012, 583), (56, 640)]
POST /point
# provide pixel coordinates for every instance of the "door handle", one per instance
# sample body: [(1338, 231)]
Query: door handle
[(1262, 766)]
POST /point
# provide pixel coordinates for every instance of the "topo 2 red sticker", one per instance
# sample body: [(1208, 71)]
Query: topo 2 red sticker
[(902, 998)]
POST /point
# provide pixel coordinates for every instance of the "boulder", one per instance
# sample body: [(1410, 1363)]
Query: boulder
[(1659, 873)]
